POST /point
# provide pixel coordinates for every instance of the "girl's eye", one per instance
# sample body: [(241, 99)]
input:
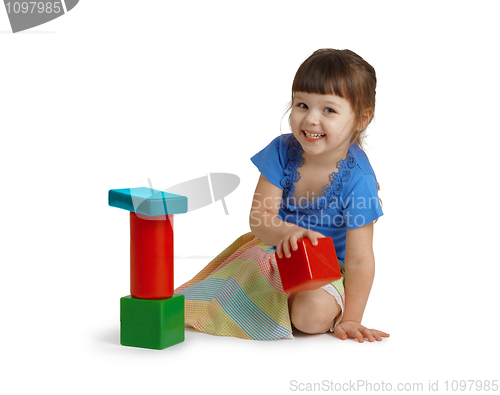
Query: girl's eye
[(329, 110), (302, 105)]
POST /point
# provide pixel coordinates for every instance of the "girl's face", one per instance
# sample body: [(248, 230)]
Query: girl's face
[(323, 125)]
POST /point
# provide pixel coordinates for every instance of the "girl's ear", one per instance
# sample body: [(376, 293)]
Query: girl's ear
[(365, 118)]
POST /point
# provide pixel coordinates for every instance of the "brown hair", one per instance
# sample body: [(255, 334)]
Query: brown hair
[(345, 74)]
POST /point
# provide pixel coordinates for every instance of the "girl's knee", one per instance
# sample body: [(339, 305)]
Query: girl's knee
[(313, 311)]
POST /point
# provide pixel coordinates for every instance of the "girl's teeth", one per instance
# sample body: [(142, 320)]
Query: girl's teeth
[(314, 136)]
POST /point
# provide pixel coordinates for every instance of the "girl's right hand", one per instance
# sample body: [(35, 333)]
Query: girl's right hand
[(289, 241)]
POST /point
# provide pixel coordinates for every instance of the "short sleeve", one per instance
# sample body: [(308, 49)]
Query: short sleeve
[(271, 161), (362, 205)]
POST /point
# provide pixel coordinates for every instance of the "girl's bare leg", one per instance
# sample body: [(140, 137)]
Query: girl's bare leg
[(313, 311)]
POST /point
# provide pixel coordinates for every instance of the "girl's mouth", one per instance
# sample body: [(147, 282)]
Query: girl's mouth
[(312, 136)]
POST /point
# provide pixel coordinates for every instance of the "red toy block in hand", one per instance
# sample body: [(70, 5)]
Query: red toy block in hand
[(310, 267)]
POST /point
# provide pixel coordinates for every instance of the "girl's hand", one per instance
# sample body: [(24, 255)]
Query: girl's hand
[(289, 241), (355, 330)]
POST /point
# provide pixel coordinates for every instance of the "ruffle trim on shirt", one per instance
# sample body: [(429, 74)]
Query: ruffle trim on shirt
[(290, 173), (331, 192)]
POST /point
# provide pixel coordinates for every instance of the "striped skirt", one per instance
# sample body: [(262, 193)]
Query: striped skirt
[(239, 294)]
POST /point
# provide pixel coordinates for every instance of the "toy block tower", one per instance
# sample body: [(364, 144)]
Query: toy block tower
[(152, 316)]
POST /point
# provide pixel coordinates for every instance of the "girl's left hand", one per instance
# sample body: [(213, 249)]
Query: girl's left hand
[(357, 331), (289, 241)]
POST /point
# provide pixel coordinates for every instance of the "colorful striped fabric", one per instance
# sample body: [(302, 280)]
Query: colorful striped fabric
[(239, 294)]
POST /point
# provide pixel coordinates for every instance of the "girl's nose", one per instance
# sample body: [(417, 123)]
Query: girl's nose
[(312, 119)]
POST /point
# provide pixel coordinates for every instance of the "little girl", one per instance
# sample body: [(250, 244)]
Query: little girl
[(315, 182)]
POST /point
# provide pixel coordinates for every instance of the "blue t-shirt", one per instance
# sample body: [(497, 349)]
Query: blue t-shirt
[(349, 201)]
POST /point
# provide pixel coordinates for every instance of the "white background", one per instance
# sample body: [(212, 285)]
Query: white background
[(116, 92)]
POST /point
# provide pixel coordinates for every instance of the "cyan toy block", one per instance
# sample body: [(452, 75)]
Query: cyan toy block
[(151, 323), (147, 201)]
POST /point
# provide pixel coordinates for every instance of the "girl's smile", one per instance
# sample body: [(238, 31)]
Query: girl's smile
[(311, 137), (323, 125)]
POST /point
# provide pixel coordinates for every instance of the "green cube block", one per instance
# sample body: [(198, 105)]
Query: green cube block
[(151, 323)]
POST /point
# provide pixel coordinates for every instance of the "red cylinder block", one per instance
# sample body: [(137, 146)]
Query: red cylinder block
[(151, 256)]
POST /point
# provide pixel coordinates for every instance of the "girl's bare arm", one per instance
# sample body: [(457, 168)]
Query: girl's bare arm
[(359, 273), (264, 221), (266, 225)]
